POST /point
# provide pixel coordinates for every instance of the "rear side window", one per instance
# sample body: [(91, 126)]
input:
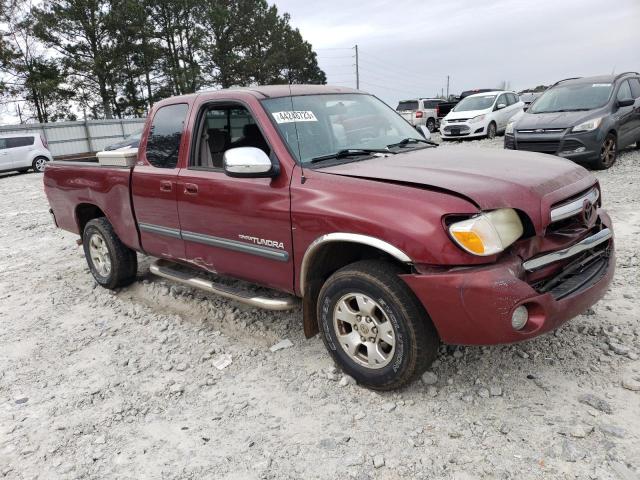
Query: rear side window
[(635, 87), (430, 103), (15, 142), (165, 134), (624, 92), (513, 99), (3, 143), (409, 105)]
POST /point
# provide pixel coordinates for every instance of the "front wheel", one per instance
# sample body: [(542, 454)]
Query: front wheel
[(39, 163), (111, 262), (608, 153), (491, 130), (374, 327)]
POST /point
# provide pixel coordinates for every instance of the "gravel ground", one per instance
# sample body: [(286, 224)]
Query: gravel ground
[(95, 384)]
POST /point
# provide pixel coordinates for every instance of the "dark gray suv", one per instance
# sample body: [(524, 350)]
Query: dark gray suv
[(586, 120)]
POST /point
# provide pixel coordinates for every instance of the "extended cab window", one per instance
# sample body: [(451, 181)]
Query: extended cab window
[(221, 128), (3, 143), (165, 134), (15, 142)]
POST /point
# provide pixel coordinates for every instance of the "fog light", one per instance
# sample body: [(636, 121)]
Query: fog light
[(519, 317)]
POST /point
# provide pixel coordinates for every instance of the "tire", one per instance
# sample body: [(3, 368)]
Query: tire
[(112, 263), (608, 153), (431, 125), (39, 163), (491, 130), (390, 312)]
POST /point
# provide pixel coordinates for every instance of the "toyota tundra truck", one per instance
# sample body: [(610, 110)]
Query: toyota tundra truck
[(325, 196)]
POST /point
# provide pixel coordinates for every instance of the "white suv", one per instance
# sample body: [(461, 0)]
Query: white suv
[(481, 115), (422, 111), (22, 152)]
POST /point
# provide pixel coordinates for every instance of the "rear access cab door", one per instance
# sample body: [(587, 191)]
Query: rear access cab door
[(154, 183)]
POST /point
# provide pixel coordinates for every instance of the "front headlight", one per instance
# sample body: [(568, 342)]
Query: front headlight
[(487, 233), (477, 119), (509, 128), (588, 126)]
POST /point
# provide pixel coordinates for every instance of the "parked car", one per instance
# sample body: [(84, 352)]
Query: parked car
[(445, 107), (480, 115), (528, 98), (587, 120), (131, 141), (421, 111), (327, 194), (22, 152)]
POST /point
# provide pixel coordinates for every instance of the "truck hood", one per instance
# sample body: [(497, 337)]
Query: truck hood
[(552, 120), (489, 178)]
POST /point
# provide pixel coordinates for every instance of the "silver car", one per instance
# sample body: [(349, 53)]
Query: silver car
[(23, 152)]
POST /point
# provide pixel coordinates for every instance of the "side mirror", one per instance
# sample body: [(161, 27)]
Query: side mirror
[(424, 131), (248, 162), (500, 106), (627, 102)]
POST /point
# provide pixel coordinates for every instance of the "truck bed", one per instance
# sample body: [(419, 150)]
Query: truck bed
[(72, 187)]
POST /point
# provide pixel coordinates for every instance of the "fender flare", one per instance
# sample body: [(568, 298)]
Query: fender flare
[(351, 238)]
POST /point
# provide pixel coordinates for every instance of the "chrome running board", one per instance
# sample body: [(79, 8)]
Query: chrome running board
[(172, 271)]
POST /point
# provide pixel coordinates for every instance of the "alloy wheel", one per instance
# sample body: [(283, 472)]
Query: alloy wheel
[(100, 255), (364, 331), (608, 151), (40, 163)]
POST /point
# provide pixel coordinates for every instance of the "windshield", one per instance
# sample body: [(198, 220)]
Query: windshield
[(318, 125), (479, 102), (407, 105), (581, 96)]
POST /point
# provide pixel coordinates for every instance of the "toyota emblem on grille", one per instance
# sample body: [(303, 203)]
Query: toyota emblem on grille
[(588, 212)]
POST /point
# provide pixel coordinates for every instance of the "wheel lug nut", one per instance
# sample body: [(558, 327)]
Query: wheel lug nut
[(372, 339), (355, 327), (368, 319), (362, 339), (374, 330)]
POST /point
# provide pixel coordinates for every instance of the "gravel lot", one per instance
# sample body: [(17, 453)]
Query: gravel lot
[(95, 384)]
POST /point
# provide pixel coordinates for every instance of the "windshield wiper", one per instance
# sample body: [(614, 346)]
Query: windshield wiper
[(350, 152), (409, 140), (565, 110)]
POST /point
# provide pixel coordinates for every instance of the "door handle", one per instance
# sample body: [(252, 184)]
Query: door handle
[(166, 186), (190, 189)]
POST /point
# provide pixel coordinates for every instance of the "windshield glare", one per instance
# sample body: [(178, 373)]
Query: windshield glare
[(317, 125), (582, 96), (475, 103)]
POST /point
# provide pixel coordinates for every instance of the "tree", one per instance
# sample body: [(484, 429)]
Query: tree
[(82, 32), (249, 42), (31, 77)]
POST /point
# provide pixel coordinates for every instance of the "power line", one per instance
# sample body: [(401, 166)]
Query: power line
[(383, 77)]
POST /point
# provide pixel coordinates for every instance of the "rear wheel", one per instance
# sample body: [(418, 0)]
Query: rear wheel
[(111, 262), (374, 327), (39, 163), (608, 153), (431, 125), (491, 130)]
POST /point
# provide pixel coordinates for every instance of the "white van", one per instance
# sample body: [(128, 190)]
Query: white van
[(23, 151), (481, 115)]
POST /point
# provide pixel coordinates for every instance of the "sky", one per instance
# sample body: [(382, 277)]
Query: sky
[(408, 47)]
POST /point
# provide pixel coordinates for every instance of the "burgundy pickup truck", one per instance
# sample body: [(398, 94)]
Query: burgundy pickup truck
[(326, 194)]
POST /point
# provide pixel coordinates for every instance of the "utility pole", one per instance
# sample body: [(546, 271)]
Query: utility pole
[(357, 69), (447, 87)]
